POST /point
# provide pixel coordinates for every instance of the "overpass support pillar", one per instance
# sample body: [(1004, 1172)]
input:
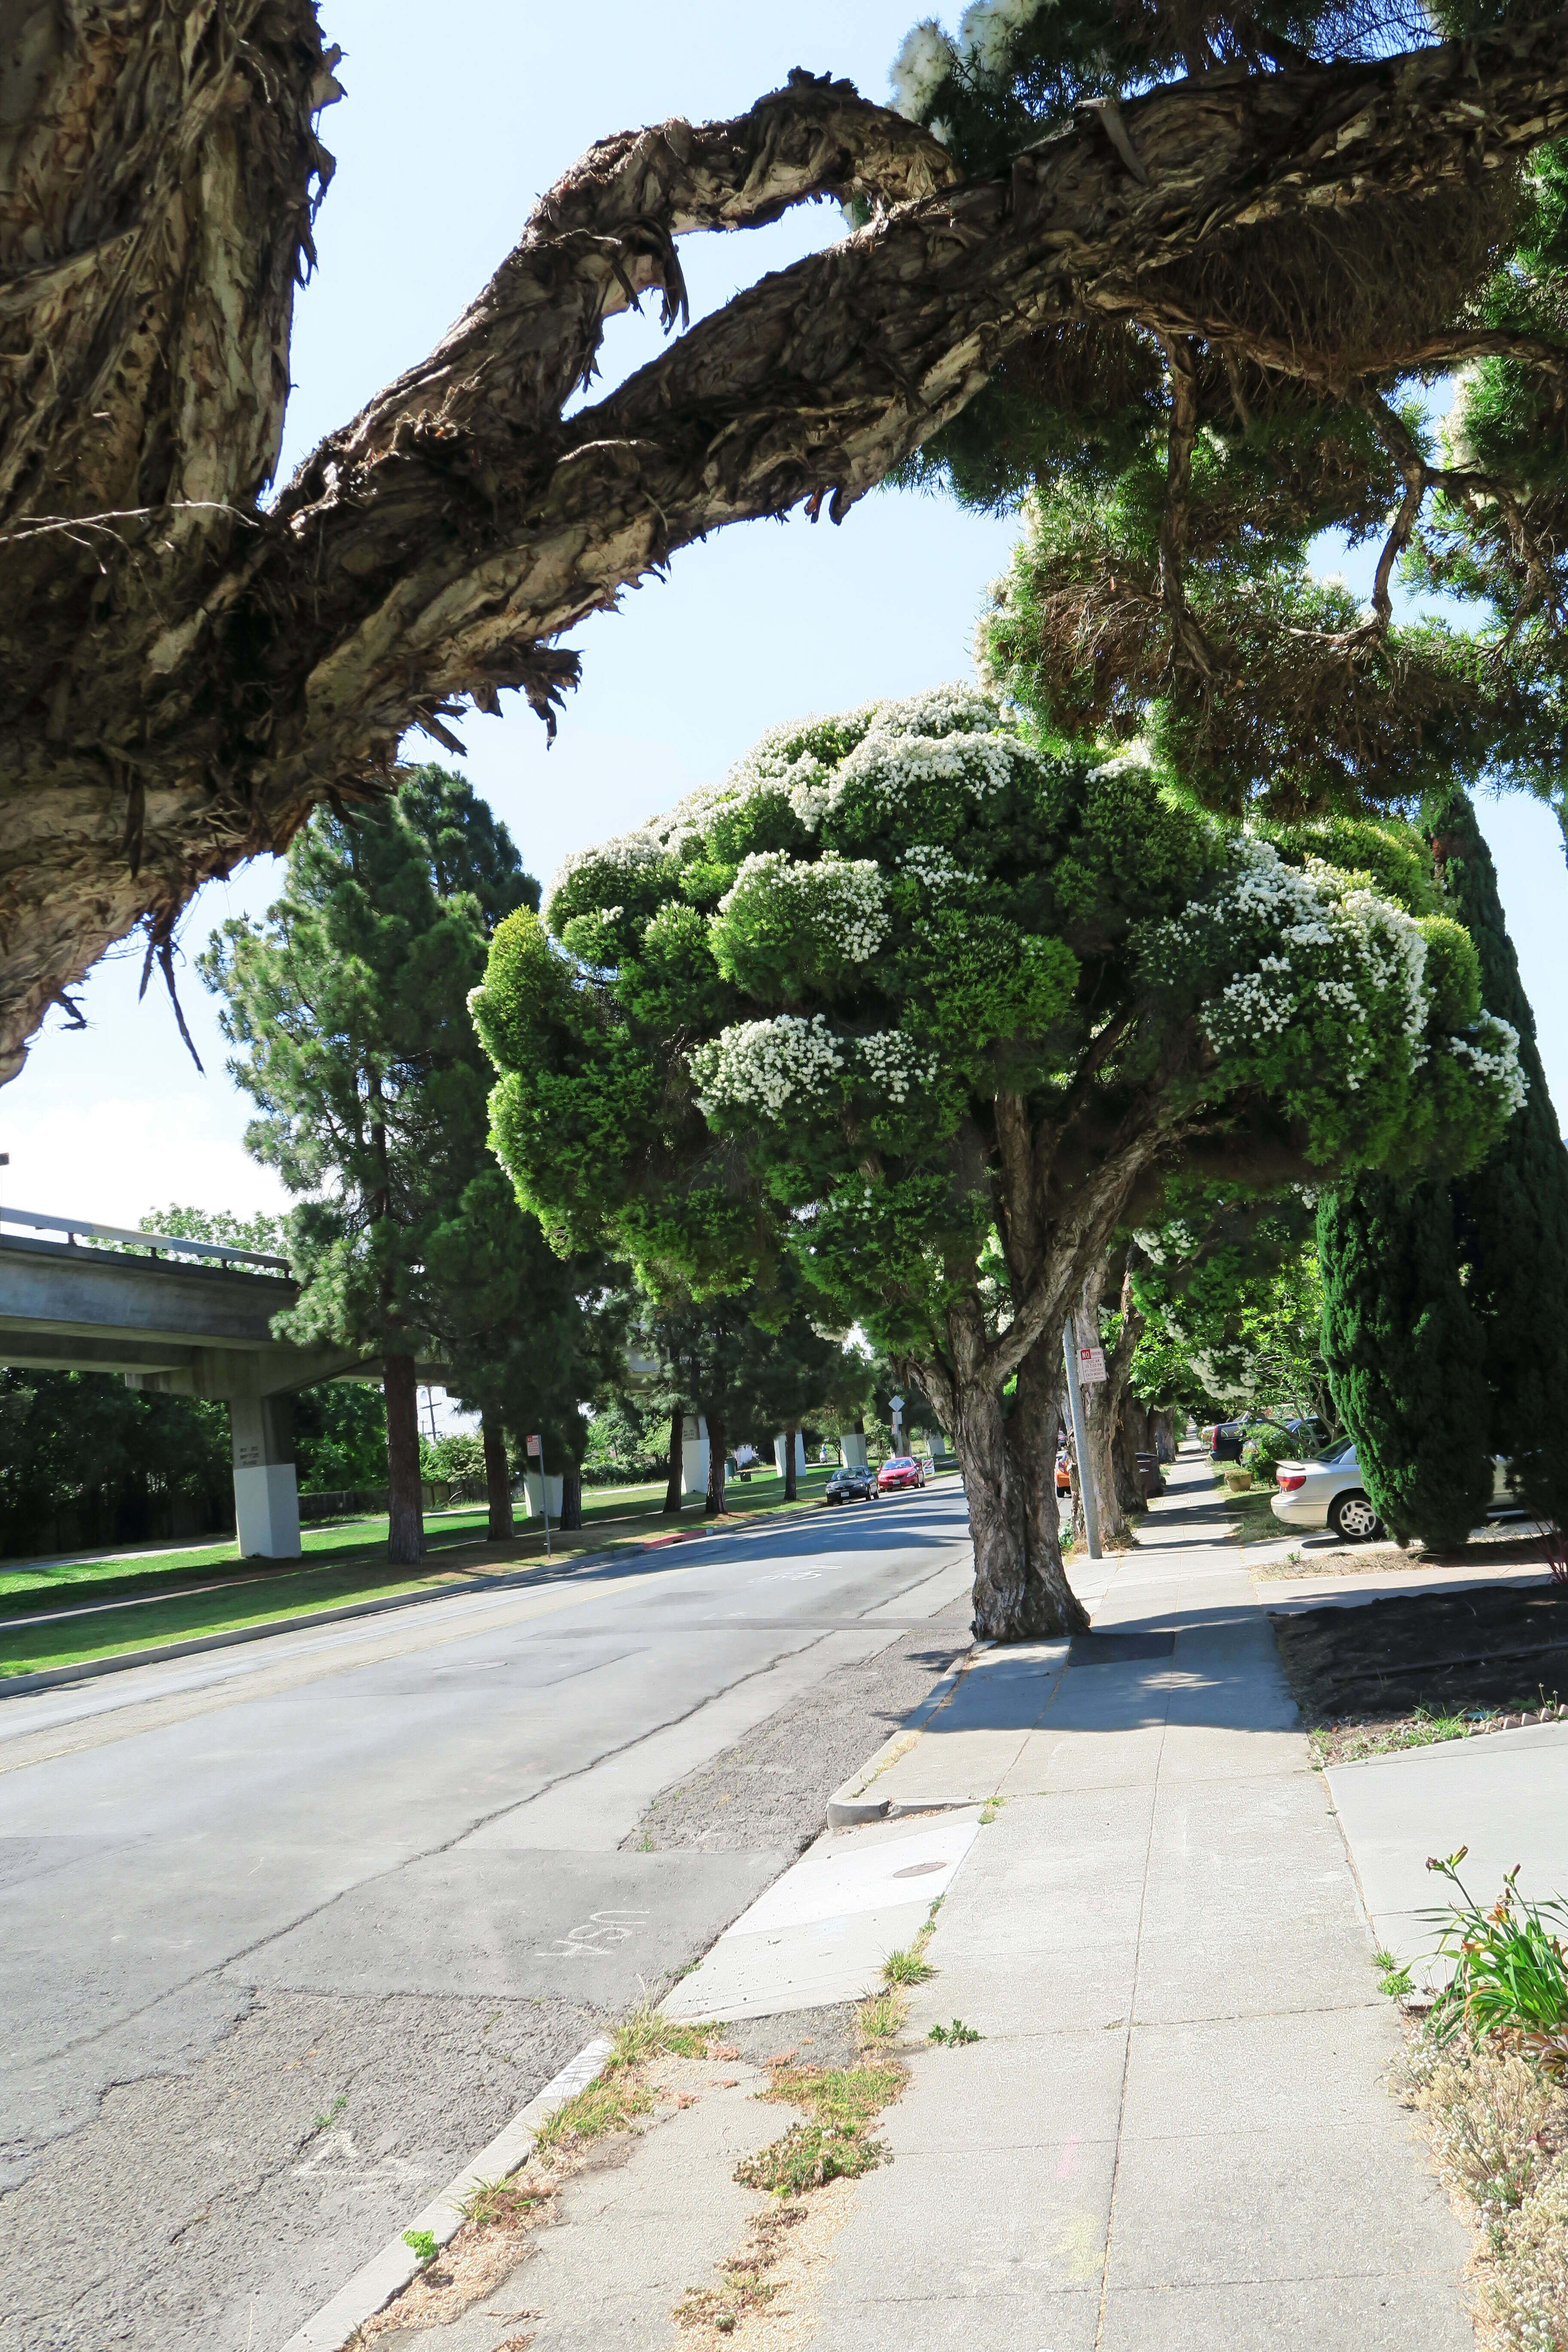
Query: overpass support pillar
[(266, 1490)]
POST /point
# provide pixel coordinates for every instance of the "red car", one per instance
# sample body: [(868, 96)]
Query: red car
[(903, 1470)]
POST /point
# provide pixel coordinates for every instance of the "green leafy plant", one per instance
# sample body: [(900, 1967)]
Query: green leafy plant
[(1394, 1977), (325, 2121), (422, 2243), (1510, 1968), (906, 1968), (951, 2035)]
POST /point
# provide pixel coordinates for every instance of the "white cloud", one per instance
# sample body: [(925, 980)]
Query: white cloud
[(113, 1158)]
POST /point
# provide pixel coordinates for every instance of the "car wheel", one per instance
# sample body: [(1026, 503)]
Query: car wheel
[(1354, 1518)]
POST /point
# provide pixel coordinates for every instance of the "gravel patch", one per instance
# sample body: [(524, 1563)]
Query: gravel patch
[(218, 2208), (769, 1791)]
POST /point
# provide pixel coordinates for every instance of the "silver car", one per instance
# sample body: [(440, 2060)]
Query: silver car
[(1328, 1493)]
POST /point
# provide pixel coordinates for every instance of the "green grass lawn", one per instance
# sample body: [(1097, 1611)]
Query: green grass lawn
[(123, 1605)]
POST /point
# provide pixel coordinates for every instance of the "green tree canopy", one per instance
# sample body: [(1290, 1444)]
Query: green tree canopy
[(1478, 1267), (1172, 483), (933, 1012)]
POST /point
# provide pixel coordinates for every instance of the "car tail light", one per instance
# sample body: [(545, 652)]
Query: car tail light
[(1290, 1479)]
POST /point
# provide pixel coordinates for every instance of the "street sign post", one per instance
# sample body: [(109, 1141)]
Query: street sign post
[(1090, 1365), (535, 1446), (1081, 1439)]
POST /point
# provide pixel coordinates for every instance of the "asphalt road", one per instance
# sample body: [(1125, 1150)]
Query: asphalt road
[(289, 1931)]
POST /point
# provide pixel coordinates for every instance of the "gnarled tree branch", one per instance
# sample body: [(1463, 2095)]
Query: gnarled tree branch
[(178, 695)]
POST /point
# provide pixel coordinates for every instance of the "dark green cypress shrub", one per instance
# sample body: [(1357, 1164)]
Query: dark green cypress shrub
[(1405, 1356), (1511, 1214)]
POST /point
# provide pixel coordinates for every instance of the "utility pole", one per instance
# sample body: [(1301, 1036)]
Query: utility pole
[(1080, 1443)]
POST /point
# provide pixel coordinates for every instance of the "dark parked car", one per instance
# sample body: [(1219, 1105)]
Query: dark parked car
[(850, 1486), (1227, 1437)]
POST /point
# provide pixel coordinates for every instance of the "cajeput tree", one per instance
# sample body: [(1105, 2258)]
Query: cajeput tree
[(934, 1012), (187, 668)]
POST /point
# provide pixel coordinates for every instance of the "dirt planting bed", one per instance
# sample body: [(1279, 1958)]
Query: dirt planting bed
[(1420, 1666)]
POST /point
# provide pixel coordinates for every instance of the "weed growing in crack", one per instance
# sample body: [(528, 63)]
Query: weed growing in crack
[(951, 2035), (422, 2244), (502, 2205), (879, 2019), (325, 2122), (644, 2034), (906, 1968), (1394, 1977), (833, 2142)]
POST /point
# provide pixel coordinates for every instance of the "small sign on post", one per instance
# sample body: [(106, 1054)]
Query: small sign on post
[(535, 1447), (1090, 1365)]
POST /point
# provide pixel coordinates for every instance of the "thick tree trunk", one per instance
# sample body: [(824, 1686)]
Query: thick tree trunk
[(1033, 1435), (405, 1504), (675, 1483), (713, 1507), (790, 1494), (498, 1480), (1130, 1439), (185, 674), (571, 1496), (1163, 1425)]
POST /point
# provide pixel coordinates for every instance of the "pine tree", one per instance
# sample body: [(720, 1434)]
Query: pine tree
[(1512, 1215), (1406, 1354)]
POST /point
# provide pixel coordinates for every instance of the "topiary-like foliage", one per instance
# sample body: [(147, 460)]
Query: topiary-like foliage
[(933, 1010)]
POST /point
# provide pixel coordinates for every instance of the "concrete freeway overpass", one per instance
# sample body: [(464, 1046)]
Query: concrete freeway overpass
[(187, 1319)]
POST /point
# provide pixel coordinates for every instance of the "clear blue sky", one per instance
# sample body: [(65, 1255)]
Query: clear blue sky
[(441, 151)]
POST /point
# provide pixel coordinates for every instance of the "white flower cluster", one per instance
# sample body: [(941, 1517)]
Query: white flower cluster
[(766, 1065), (894, 1063), (928, 55), (890, 759), (1501, 1064), (628, 856), (1346, 947), (923, 63), (844, 900), (936, 867)]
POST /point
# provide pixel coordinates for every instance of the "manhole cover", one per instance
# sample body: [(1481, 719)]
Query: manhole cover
[(920, 1869)]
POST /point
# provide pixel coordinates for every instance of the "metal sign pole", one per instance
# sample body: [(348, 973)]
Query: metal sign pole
[(1080, 1445), (535, 1444)]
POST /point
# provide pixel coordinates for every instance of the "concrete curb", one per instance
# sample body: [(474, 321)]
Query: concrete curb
[(386, 2274), (849, 1802)]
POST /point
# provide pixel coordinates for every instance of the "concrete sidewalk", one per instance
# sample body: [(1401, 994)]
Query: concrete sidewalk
[(1173, 2135), (1174, 2132)]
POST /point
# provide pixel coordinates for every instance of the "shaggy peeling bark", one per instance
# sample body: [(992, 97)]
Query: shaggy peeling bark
[(185, 675)]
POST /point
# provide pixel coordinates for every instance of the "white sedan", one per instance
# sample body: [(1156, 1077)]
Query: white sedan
[(1326, 1492)]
